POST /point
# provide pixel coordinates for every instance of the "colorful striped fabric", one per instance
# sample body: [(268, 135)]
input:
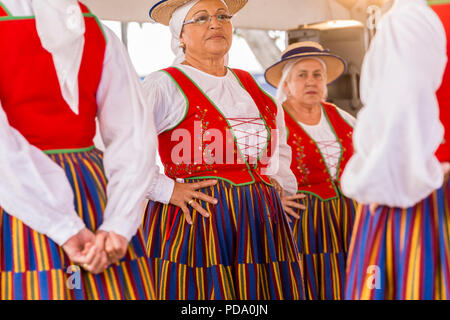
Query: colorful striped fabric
[(323, 235), (244, 250), (402, 254), (33, 267)]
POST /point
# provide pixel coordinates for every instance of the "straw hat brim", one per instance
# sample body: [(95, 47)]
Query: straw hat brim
[(163, 10), (336, 66)]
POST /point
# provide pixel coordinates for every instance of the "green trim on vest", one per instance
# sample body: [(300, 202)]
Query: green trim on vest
[(336, 189), (59, 151), (5, 8), (86, 15), (185, 98), (338, 168), (269, 136), (234, 137), (437, 2)]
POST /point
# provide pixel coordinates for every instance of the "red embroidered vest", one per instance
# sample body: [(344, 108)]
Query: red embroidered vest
[(29, 89), (308, 163), (443, 94), (210, 149)]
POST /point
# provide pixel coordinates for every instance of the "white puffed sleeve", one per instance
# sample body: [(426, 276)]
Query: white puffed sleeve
[(168, 106), (33, 188), (128, 133), (398, 130), (279, 167)]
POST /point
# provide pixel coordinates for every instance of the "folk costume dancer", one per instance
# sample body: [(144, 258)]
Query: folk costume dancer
[(60, 70), (320, 135), (400, 244), (222, 234)]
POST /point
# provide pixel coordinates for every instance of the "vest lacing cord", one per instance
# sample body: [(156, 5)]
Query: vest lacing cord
[(331, 159), (242, 142)]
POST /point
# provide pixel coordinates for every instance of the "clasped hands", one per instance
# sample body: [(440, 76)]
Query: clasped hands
[(95, 252)]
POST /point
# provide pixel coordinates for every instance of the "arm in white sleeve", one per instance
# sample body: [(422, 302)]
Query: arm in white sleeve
[(398, 130), (168, 106), (128, 132), (279, 167), (33, 188)]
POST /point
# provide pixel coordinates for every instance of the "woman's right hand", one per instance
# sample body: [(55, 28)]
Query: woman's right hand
[(185, 194)]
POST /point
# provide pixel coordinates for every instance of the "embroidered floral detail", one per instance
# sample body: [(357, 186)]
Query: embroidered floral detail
[(205, 164), (300, 158)]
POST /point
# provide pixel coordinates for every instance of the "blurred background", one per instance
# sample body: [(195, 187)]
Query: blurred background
[(262, 30)]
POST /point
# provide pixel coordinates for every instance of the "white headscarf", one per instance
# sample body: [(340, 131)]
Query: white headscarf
[(176, 26), (281, 94), (60, 26)]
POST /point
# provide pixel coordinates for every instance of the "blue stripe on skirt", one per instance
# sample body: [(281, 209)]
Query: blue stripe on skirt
[(244, 250), (323, 235), (402, 254), (43, 273)]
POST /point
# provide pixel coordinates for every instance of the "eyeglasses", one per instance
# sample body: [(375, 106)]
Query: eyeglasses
[(201, 20)]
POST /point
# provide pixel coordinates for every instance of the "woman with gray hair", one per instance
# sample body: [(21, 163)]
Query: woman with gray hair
[(320, 135), (215, 227)]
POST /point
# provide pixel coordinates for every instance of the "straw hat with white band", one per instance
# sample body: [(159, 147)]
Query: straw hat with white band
[(163, 10), (335, 65)]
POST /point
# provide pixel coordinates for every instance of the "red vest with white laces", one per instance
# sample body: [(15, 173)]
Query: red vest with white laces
[(29, 89), (308, 163), (204, 157), (443, 94)]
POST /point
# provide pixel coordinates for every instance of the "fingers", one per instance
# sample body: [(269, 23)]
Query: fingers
[(293, 204), (196, 206), (89, 252), (292, 213), (115, 247), (446, 168), (91, 258), (373, 208), (295, 197), (204, 197), (203, 184), (120, 245), (186, 213), (102, 264)]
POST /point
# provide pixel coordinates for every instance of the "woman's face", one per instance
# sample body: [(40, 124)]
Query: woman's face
[(306, 83), (211, 38)]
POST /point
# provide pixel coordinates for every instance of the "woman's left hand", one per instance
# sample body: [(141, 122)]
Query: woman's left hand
[(445, 169), (290, 204), (115, 245)]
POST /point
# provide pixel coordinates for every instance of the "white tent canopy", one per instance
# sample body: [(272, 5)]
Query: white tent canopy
[(257, 14)]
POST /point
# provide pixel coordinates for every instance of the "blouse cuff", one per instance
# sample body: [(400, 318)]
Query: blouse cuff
[(63, 231), (122, 227), (161, 189)]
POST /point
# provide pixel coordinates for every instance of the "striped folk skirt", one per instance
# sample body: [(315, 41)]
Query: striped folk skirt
[(33, 267), (323, 235), (244, 250), (402, 254)]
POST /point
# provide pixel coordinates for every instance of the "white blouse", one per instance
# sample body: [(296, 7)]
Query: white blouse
[(398, 130), (326, 140), (35, 189), (235, 103)]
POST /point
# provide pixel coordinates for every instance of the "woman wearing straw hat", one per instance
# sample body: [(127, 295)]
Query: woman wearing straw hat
[(216, 229), (320, 135)]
